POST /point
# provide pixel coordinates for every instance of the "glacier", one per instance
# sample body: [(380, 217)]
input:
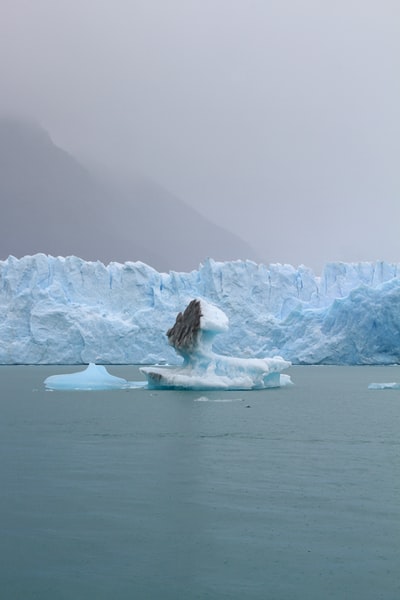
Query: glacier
[(64, 310)]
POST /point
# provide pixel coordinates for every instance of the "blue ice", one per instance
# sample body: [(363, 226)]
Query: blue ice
[(202, 368), (94, 377)]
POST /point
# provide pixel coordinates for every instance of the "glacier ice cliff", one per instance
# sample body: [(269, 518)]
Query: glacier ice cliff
[(69, 311)]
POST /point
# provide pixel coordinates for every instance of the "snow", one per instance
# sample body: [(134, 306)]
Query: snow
[(213, 319), (65, 310)]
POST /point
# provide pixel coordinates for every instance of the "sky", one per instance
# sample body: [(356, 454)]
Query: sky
[(278, 119)]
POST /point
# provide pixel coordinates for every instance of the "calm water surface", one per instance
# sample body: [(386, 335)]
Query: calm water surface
[(282, 494)]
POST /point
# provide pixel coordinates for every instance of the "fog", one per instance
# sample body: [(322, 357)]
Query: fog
[(278, 119)]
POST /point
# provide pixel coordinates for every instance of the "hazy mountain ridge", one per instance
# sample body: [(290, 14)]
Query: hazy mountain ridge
[(52, 204)]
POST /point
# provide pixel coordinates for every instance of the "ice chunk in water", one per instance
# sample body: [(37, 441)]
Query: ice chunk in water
[(384, 386), (94, 377)]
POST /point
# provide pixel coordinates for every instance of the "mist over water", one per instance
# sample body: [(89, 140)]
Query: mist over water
[(288, 493)]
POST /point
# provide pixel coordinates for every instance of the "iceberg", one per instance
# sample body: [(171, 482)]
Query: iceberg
[(384, 386), (94, 377), (218, 400), (64, 310), (192, 336)]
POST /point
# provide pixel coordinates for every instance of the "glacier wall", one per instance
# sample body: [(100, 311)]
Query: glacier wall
[(69, 311)]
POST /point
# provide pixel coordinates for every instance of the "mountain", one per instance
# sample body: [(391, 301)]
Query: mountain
[(51, 203)]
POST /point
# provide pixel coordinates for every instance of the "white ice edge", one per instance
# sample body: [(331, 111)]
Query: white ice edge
[(384, 386)]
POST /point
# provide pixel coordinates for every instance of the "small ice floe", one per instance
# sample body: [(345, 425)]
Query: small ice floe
[(205, 399), (94, 377), (384, 386)]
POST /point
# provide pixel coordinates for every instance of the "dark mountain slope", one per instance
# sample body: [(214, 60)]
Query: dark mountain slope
[(50, 203)]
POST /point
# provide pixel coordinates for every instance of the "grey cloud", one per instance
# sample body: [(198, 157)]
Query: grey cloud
[(278, 119)]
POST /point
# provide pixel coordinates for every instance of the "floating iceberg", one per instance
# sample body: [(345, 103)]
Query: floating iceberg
[(94, 377), (218, 400), (192, 337), (384, 386)]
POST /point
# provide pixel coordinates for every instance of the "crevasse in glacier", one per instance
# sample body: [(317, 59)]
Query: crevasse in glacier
[(65, 310)]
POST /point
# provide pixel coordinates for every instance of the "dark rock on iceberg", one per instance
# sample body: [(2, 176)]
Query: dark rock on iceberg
[(183, 335)]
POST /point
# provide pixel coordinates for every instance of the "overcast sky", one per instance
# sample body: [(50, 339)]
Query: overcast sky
[(279, 119)]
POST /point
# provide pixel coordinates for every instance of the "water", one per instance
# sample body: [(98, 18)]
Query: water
[(279, 494)]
